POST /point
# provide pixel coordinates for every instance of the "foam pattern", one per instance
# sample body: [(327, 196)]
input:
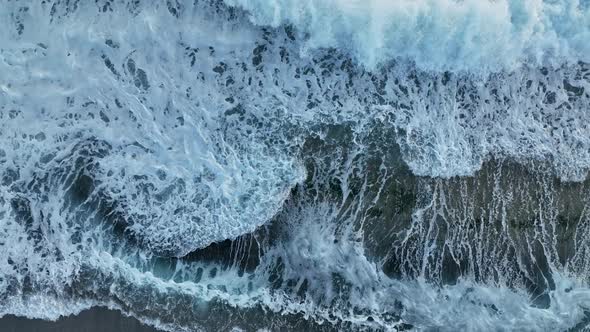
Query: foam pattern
[(437, 35), (317, 165)]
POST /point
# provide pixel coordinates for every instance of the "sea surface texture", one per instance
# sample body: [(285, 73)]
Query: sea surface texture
[(297, 165)]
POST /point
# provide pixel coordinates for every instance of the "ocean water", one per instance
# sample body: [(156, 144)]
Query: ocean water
[(317, 165)]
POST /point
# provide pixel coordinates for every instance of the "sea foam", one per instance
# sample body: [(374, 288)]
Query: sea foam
[(133, 135), (442, 35)]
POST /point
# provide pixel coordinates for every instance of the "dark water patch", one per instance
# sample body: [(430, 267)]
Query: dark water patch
[(243, 253), (93, 320)]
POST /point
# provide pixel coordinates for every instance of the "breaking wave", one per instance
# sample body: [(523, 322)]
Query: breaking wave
[(302, 165), (438, 35)]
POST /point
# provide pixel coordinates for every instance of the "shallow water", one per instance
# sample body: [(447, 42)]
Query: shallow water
[(93, 320)]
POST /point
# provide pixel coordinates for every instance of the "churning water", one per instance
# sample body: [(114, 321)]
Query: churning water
[(310, 165)]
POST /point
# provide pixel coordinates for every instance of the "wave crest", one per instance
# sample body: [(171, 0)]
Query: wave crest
[(438, 35)]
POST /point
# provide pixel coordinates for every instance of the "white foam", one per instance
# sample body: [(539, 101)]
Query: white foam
[(176, 167), (186, 166), (466, 305), (438, 35)]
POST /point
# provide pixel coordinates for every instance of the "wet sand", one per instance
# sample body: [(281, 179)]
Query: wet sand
[(92, 320)]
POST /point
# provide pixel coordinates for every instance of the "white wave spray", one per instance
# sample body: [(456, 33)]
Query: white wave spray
[(176, 162)]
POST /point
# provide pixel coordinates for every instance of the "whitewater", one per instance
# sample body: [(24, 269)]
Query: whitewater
[(297, 165)]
